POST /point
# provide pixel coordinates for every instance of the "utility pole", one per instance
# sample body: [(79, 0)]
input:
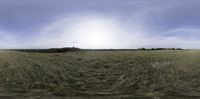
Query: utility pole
[(75, 42)]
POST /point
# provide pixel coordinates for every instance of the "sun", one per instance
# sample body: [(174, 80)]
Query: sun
[(95, 32)]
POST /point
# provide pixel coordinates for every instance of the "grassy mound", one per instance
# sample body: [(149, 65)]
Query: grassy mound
[(136, 73)]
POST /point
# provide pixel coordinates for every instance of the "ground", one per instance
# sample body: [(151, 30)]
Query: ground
[(122, 74)]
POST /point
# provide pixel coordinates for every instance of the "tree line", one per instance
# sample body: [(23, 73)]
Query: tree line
[(160, 49)]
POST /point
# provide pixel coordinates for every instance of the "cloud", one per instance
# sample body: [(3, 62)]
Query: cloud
[(130, 24), (87, 29), (134, 35)]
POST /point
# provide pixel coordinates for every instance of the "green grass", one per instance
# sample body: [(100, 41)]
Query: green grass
[(100, 73)]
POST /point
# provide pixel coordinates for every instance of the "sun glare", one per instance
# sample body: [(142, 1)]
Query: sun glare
[(95, 32)]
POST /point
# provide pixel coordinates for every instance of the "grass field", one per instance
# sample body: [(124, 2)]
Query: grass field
[(100, 73)]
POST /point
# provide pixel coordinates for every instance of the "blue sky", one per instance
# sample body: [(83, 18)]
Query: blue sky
[(99, 23)]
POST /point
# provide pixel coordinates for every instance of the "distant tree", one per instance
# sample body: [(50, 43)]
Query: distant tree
[(171, 48), (179, 49), (141, 48)]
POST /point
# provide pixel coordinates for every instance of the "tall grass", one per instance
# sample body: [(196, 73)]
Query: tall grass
[(143, 73)]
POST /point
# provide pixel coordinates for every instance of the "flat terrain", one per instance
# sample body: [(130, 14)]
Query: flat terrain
[(97, 74)]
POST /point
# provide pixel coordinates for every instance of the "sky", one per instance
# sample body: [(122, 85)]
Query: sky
[(99, 23)]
